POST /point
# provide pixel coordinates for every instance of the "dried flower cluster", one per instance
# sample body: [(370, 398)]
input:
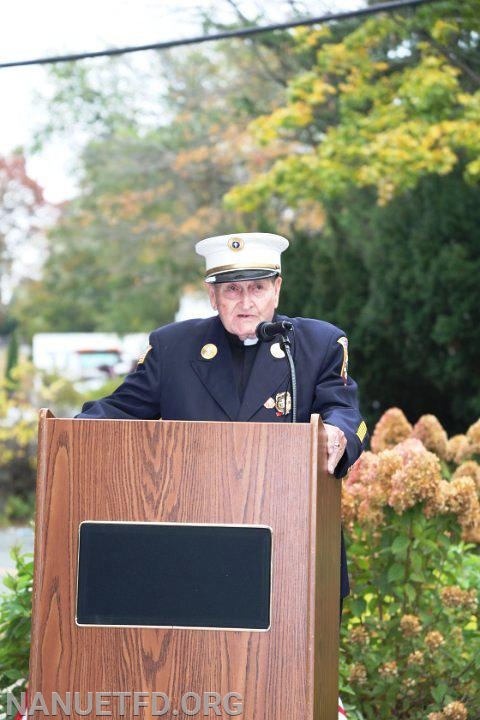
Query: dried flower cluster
[(392, 428), (429, 431), (453, 711), (464, 447), (358, 674), (416, 658), (473, 435), (419, 477), (470, 468), (388, 669), (434, 640), (359, 635), (410, 625), (404, 469), (455, 597), (458, 449)]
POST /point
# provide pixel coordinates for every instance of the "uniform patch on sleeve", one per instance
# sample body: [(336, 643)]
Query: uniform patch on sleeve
[(361, 431), (141, 359), (344, 371)]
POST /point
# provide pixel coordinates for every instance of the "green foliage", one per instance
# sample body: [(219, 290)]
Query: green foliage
[(401, 280), (12, 355), (20, 399), (410, 631), (18, 438), (15, 616), (402, 105), (393, 666), (19, 509), (7, 322)]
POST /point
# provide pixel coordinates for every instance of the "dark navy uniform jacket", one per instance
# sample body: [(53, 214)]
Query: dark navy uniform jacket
[(174, 382)]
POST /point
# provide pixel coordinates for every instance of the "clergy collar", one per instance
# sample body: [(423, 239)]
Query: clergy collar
[(235, 340)]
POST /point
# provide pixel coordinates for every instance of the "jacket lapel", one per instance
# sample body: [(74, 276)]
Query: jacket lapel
[(269, 375), (217, 373)]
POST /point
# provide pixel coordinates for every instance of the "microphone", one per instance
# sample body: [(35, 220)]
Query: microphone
[(268, 331)]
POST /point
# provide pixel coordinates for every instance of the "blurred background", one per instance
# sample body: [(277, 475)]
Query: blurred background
[(357, 137)]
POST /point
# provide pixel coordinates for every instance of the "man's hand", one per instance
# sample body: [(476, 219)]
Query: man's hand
[(336, 444)]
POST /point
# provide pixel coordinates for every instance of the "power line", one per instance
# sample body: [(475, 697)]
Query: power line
[(241, 32)]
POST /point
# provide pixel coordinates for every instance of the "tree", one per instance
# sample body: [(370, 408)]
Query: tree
[(12, 355), (24, 214), (151, 188), (396, 100), (381, 136)]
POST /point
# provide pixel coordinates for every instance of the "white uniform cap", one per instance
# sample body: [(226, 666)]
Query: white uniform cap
[(243, 256)]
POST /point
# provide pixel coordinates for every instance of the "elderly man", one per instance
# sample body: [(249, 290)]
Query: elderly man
[(215, 369)]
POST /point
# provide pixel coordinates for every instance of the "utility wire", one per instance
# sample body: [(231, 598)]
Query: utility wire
[(239, 33)]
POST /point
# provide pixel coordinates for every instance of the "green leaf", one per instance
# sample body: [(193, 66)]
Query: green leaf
[(439, 692), (416, 560), (417, 577), (400, 545), (396, 572), (409, 592), (357, 606)]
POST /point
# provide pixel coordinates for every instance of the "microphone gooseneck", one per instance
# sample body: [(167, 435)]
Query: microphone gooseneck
[(268, 331)]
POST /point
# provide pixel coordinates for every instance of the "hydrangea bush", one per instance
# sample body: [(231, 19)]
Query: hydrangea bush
[(411, 642)]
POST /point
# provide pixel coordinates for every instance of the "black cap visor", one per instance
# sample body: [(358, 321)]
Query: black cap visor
[(240, 275)]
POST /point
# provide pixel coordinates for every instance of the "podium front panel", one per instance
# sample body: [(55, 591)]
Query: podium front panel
[(189, 473), (178, 575)]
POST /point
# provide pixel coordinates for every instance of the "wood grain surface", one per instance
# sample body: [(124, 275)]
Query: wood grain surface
[(191, 472)]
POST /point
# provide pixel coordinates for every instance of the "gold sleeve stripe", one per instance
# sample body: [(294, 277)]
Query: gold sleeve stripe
[(362, 431), (141, 359)]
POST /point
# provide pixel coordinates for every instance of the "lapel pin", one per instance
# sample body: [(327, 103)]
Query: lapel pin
[(277, 351), (208, 351), (269, 403)]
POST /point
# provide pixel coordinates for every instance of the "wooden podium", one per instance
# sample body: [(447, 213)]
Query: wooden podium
[(262, 474)]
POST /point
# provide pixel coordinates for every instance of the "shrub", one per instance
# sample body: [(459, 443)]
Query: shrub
[(21, 396), (15, 612), (411, 645), (19, 509)]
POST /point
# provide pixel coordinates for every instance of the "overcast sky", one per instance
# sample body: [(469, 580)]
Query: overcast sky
[(31, 29)]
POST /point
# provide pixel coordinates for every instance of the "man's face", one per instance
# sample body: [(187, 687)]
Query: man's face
[(242, 305)]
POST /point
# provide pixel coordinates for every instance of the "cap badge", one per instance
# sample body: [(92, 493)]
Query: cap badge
[(269, 403), (276, 350), (236, 244), (283, 403), (208, 351)]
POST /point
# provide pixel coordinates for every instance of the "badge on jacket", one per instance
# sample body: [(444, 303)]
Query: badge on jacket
[(276, 351), (141, 359), (344, 371), (208, 351), (283, 403)]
